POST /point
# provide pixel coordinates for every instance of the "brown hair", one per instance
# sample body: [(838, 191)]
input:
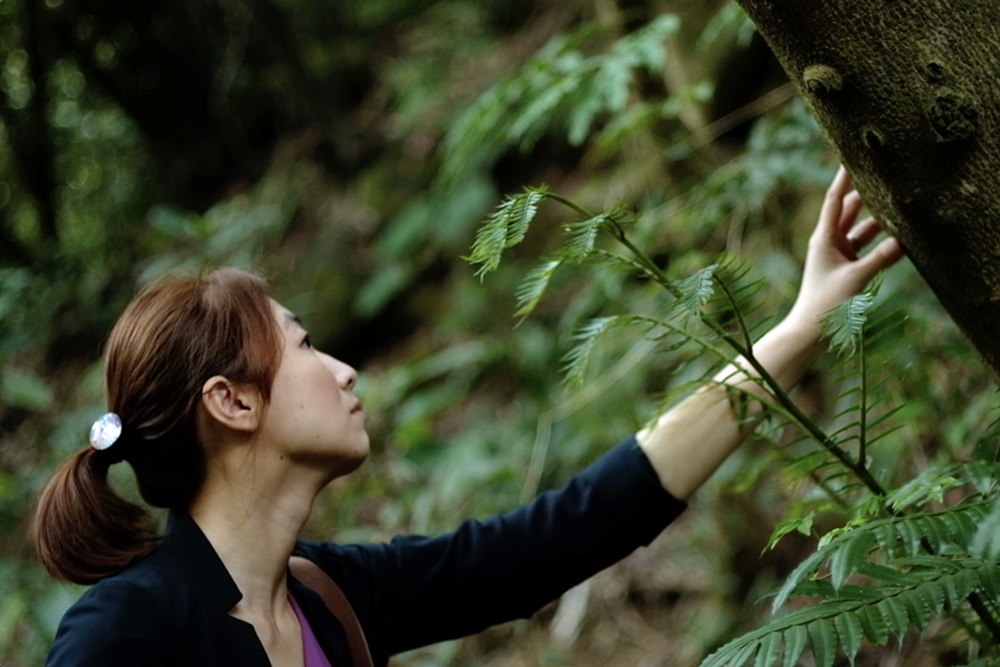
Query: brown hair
[(174, 336)]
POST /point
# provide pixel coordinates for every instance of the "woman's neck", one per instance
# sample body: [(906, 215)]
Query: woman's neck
[(252, 524)]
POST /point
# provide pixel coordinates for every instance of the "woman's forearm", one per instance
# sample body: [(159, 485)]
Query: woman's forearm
[(691, 440)]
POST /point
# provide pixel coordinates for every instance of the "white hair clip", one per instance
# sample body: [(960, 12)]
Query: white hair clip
[(105, 431)]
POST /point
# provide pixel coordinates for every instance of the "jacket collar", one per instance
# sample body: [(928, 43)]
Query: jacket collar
[(196, 559)]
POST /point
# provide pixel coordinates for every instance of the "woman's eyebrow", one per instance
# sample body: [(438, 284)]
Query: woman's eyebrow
[(292, 318)]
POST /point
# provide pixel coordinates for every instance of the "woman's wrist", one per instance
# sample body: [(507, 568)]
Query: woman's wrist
[(790, 347), (802, 324)]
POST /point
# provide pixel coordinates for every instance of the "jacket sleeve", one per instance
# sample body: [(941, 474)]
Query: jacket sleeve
[(113, 625), (417, 590)]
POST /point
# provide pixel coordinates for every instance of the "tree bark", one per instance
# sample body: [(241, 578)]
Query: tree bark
[(909, 93)]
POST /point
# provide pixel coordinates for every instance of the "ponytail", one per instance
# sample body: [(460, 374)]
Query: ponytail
[(83, 531)]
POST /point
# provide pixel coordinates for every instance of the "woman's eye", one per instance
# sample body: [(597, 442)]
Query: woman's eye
[(307, 342)]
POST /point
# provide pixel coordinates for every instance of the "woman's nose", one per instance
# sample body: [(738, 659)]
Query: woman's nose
[(352, 377), (346, 376)]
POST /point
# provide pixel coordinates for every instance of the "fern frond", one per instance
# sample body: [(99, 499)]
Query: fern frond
[(859, 613), (583, 236), (533, 287), (695, 291), (845, 562), (505, 228), (735, 300), (564, 77), (560, 86), (800, 523), (769, 651), (851, 633), (577, 359), (850, 548), (796, 638), (823, 637), (930, 485), (844, 325)]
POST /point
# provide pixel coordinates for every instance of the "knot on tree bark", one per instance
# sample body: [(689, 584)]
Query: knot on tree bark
[(954, 117), (822, 79)]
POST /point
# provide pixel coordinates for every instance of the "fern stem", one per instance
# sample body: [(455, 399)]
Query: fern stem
[(569, 203), (655, 272), (648, 265), (744, 329), (808, 425)]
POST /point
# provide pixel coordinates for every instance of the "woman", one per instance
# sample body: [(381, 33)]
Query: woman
[(235, 423)]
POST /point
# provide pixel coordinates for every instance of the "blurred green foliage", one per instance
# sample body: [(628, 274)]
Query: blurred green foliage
[(350, 151)]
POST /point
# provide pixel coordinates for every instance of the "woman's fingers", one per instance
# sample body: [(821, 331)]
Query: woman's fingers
[(886, 253), (833, 205), (863, 233), (850, 209)]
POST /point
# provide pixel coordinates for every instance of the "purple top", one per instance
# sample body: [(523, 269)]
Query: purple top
[(310, 647)]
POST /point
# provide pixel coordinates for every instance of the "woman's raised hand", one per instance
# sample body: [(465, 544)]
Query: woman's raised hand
[(834, 269)]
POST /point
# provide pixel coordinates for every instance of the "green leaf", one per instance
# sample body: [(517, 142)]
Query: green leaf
[(577, 359), (895, 616), (933, 594), (581, 114), (931, 485), (583, 236), (696, 290), (935, 532), (505, 228), (911, 535), (916, 609), (770, 647), (845, 324), (885, 574), (961, 526), (796, 638), (823, 637), (873, 625), (801, 525), (743, 655), (560, 85), (804, 569), (845, 561), (533, 287), (850, 632), (525, 127)]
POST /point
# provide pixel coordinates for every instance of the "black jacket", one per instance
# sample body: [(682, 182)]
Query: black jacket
[(171, 608)]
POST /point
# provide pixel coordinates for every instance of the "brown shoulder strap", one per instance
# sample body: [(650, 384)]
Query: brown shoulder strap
[(319, 581)]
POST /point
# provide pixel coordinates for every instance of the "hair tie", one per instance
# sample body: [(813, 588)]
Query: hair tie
[(105, 431)]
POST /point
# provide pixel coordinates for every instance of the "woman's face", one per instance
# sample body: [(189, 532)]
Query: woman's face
[(314, 416)]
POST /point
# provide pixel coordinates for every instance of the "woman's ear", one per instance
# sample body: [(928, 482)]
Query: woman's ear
[(237, 406)]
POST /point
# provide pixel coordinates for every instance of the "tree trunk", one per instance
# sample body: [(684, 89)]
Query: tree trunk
[(909, 93)]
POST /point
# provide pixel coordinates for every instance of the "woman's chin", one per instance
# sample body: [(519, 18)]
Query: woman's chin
[(353, 458)]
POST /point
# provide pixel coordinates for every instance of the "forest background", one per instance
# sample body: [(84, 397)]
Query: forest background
[(350, 151)]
